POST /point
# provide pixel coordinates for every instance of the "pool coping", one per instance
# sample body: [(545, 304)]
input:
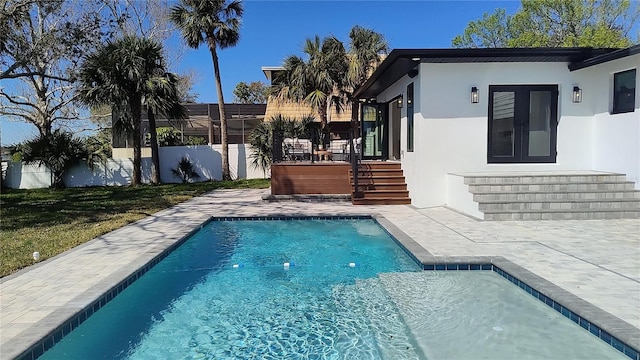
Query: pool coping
[(613, 328)]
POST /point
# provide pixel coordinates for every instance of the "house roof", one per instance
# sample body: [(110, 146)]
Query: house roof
[(614, 55), (401, 61), (269, 70)]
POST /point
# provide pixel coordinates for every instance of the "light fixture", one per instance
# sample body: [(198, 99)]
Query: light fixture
[(415, 59), (577, 94), (399, 102), (475, 97)]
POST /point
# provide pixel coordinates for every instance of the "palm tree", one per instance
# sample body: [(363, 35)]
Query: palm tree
[(317, 80), (161, 97), (118, 74), (365, 49), (216, 23)]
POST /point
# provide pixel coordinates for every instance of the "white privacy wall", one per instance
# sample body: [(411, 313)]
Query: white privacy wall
[(207, 162), (616, 137), (451, 132)]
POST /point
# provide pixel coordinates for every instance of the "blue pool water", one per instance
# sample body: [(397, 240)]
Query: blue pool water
[(196, 304)]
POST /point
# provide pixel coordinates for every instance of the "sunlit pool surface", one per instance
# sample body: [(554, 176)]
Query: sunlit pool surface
[(349, 292)]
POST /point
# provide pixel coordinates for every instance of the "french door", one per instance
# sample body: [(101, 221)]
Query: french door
[(374, 131), (523, 122)]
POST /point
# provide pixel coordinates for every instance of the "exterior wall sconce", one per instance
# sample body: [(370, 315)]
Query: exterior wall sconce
[(577, 94), (399, 102), (475, 96)]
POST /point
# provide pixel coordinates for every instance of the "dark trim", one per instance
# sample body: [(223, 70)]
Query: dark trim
[(411, 135), (399, 62), (382, 116), (614, 55), (616, 94), (521, 124)]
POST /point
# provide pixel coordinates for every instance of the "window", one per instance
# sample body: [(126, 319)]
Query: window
[(624, 91), (410, 117)]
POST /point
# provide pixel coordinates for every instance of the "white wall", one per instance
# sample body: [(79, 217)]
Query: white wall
[(408, 159), (117, 172), (451, 132), (616, 138)]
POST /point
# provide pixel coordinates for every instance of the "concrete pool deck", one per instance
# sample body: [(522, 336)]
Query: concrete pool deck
[(596, 260)]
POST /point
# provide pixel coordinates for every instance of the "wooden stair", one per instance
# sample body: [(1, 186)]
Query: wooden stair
[(379, 183)]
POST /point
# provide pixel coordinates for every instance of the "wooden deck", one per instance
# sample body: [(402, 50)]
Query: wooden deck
[(310, 178)]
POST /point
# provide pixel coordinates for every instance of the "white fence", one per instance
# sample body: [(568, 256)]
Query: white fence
[(206, 160)]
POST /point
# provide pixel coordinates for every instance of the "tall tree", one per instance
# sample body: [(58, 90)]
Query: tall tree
[(317, 79), (119, 74), (161, 97), (42, 44), (366, 51), (255, 92), (216, 23), (555, 23)]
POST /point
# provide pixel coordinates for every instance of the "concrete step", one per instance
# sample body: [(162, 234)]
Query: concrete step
[(552, 187), (560, 205), (547, 196), (568, 214), (381, 201), (544, 179)]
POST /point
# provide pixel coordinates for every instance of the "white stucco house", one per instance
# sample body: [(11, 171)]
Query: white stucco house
[(443, 113)]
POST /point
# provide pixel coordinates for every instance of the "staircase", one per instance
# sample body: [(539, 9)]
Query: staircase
[(552, 196), (379, 183)]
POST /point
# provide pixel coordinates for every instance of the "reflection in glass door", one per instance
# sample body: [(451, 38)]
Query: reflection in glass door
[(522, 123), (373, 131)]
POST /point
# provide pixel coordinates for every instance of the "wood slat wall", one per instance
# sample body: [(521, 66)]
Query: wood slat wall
[(307, 178)]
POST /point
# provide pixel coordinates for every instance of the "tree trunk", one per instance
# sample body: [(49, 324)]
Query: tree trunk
[(136, 109), (355, 121), (155, 155), (226, 174)]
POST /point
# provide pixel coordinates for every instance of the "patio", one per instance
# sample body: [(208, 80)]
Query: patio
[(597, 261)]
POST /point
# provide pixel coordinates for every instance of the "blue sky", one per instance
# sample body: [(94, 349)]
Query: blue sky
[(272, 30)]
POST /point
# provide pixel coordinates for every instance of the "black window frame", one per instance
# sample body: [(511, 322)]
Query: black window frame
[(616, 108), (410, 124)]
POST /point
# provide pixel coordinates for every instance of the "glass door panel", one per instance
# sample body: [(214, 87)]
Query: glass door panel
[(539, 134), (373, 127), (502, 124)]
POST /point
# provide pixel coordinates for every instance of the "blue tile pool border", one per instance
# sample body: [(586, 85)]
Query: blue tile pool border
[(610, 329)]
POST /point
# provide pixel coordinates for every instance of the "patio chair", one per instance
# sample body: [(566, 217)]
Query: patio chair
[(338, 149)]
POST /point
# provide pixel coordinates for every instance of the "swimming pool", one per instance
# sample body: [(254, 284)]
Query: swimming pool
[(195, 303), (349, 292)]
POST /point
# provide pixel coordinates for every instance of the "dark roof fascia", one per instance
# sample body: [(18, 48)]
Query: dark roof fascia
[(212, 110), (614, 55), (399, 61)]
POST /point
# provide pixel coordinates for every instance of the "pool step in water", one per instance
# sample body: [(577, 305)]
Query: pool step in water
[(479, 315), (393, 337)]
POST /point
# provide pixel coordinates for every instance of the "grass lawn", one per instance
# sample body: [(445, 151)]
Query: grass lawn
[(53, 221)]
